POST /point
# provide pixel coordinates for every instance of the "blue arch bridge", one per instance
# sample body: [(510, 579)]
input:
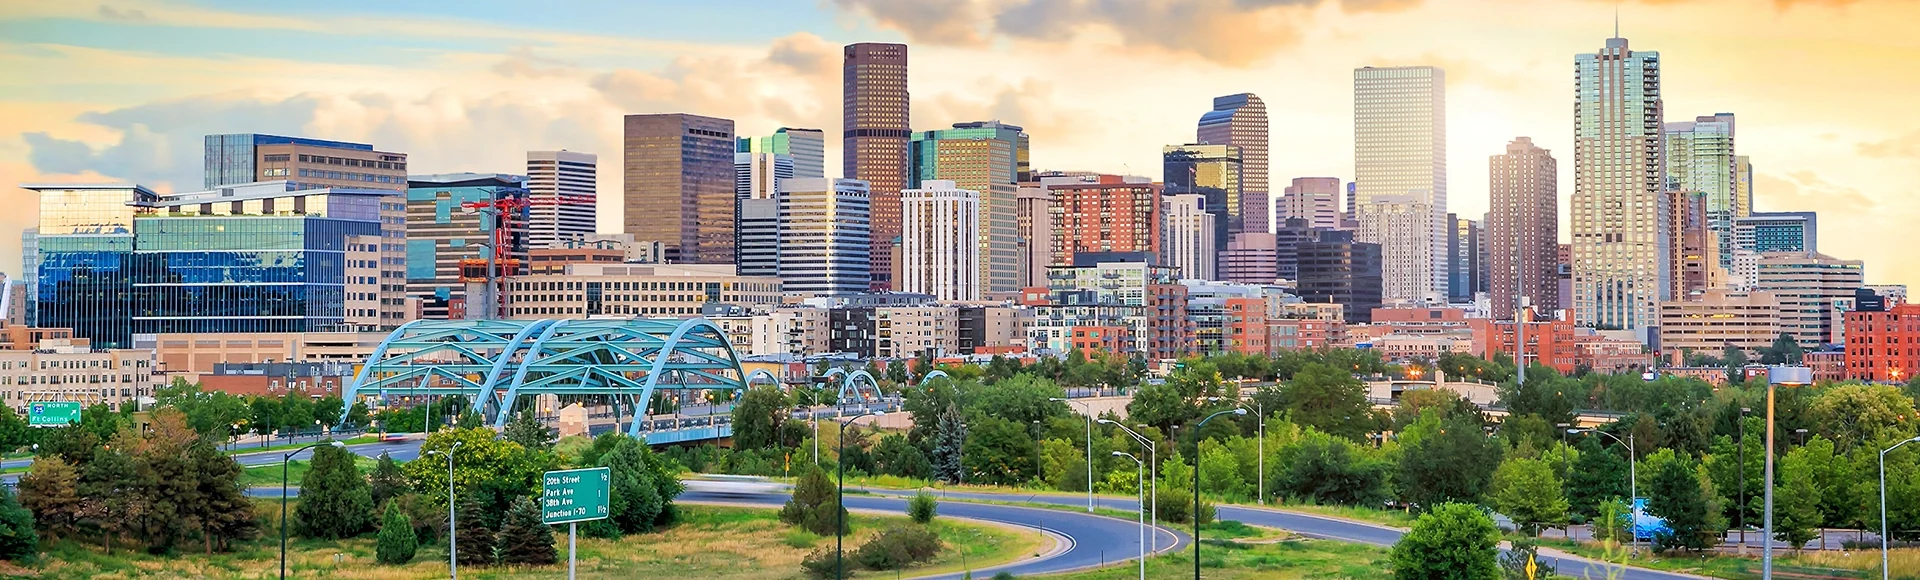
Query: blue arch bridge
[(492, 364)]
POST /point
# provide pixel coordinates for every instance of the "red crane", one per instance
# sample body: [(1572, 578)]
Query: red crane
[(504, 213)]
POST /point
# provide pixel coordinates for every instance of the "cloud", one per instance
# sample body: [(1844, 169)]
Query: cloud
[(795, 83), (1031, 104), (522, 62), (1807, 191), (162, 142), (128, 15), (1903, 146), (1229, 32)]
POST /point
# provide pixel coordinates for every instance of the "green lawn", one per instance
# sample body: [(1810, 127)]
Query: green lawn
[(1825, 564), (243, 448), (727, 543), (269, 475)]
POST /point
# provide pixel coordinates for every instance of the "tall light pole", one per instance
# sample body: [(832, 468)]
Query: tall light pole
[(1089, 413), (1740, 515), (283, 500), (1883, 504), (1792, 377), (840, 498), (1142, 485), (453, 565), (1260, 408), (1633, 479), (1153, 473), (1196, 484)]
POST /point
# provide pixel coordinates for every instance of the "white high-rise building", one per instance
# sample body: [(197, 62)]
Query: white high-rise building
[(939, 231), (1399, 226), (1619, 218), (1400, 153), (807, 147), (758, 175), (825, 232), (1315, 199), (1699, 157), (560, 197), (1187, 236)]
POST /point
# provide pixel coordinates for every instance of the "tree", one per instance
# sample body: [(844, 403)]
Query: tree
[(1784, 350), (18, 541), (529, 432), (999, 452), (51, 490), (14, 432), (110, 494), (1453, 541), (225, 514), (358, 414), (1796, 501), (1736, 360), (328, 409), (1545, 394), (264, 417), (895, 456), (758, 415), (475, 545), (1327, 399), (637, 503), (481, 460), (1451, 461), (1598, 474), (1855, 412), (815, 505), (397, 543), (1527, 491), (1674, 494), (1328, 470), (386, 482), (335, 501), (524, 538), (947, 447)]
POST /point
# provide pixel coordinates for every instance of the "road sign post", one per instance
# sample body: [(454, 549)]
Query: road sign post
[(53, 414), (573, 496)]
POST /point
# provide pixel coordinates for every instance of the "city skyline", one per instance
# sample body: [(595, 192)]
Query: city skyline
[(1816, 140)]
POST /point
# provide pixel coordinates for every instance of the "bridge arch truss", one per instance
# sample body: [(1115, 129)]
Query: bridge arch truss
[(492, 363)]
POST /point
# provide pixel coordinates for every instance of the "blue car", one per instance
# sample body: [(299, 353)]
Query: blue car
[(1646, 526)]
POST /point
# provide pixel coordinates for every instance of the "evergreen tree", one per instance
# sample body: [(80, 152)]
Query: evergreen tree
[(51, 490), (397, 542), (947, 444), (17, 538), (335, 501), (387, 481), (225, 514), (1452, 541), (524, 538), (813, 503), (474, 543), (528, 431), (110, 495)]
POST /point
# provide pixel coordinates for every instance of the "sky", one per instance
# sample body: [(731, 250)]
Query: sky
[(123, 91)]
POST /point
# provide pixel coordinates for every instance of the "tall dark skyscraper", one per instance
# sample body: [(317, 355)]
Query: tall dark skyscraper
[(1335, 269), (1523, 228), (1241, 121), (679, 185), (874, 106)]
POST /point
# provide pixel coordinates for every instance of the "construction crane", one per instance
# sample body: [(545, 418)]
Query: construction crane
[(499, 255)]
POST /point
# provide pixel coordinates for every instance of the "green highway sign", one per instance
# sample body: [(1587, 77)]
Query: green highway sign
[(53, 414), (575, 495)]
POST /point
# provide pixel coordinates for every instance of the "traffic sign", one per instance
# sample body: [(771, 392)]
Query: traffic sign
[(575, 495), (53, 414)]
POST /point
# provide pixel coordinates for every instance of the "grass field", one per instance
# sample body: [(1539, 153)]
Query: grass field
[(1904, 562), (269, 475), (709, 542)]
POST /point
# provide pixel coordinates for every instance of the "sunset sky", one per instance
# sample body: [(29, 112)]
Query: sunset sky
[(1826, 92)]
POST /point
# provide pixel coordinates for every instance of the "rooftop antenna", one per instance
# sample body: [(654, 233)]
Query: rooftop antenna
[(1616, 20)]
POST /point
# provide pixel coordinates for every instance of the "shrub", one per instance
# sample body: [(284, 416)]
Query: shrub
[(821, 563), (524, 538), (898, 547), (1176, 505), (397, 543), (1003, 576), (1454, 541), (18, 541), (922, 507), (814, 505)]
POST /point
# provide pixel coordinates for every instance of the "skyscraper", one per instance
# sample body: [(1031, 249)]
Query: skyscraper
[(1103, 213), (757, 179), (1620, 237), (1214, 171), (1401, 227), (1241, 121), (86, 264), (30, 272), (1523, 228), (939, 241), (1187, 232), (1400, 150), (1699, 156), (824, 233), (1334, 269), (1315, 199), (440, 236), (1035, 217), (679, 185), (1694, 250), (758, 175), (874, 107), (986, 157), (561, 190), (1464, 255), (807, 147), (308, 163)]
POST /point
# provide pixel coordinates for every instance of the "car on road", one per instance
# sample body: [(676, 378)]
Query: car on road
[(733, 485)]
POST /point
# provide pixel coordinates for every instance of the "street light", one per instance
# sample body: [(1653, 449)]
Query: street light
[(1792, 377), (1260, 408), (840, 498), (1153, 472), (283, 501), (1633, 480), (1196, 484), (1142, 490), (453, 565), (1089, 413), (1883, 504)]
